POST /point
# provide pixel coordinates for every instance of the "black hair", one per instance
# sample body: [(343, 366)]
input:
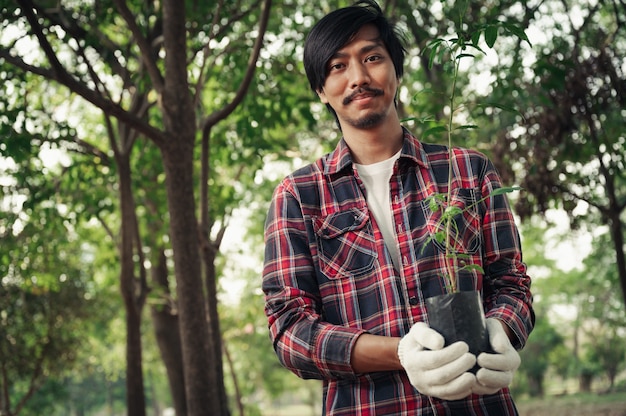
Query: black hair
[(336, 29)]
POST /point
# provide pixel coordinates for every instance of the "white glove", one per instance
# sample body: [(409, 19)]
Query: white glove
[(496, 369), (434, 370)]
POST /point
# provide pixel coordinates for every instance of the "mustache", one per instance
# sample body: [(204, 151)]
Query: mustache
[(375, 92)]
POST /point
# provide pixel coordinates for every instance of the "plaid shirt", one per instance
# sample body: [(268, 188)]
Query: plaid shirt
[(329, 278)]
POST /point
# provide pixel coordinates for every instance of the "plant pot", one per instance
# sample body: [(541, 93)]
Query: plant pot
[(459, 316)]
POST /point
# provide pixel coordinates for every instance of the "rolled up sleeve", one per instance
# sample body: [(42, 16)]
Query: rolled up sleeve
[(506, 284), (303, 342)]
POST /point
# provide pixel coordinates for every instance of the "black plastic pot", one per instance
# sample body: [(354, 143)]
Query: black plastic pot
[(459, 316)]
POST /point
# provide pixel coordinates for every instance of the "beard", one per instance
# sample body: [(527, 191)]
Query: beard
[(370, 120), (366, 122)]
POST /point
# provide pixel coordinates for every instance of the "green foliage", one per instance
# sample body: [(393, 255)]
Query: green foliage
[(526, 123), (449, 53), (568, 148), (596, 318), (605, 352), (603, 312), (259, 376), (67, 396), (46, 300), (539, 350)]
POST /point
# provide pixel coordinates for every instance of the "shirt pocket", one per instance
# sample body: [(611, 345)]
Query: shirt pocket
[(346, 245), (465, 230)]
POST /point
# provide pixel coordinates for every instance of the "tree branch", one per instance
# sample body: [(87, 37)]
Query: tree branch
[(142, 43), (225, 111), (5, 400), (27, 9), (104, 46), (36, 376), (82, 90), (205, 59), (581, 197), (226, 25)]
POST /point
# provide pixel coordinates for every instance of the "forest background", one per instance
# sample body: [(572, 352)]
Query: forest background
[(140, 142)]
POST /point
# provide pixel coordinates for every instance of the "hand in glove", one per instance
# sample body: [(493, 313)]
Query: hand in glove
[(434, 370), (496, 369)]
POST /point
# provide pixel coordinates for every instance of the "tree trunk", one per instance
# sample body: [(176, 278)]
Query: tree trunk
[(5, 399), (233, 372), (192, 311), (167, 333), (215, 335), (616, 227), (615, 206), (584, 382), (133, 300), (135, 397), (611, 374), (535, 386), (180, 122)]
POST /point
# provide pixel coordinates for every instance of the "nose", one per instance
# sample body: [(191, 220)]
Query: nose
[(358, 75)]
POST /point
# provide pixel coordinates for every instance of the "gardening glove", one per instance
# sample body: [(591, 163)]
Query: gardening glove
[(497, 369), (434, 370)]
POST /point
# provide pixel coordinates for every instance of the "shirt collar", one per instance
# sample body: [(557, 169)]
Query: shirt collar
[(341, 158)]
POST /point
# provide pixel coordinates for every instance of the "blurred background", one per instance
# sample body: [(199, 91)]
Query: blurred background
[(140, 142)]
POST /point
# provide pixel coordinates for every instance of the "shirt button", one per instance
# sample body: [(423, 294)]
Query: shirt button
[(413, 300)]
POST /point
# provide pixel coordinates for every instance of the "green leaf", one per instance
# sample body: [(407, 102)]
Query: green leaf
[(505, 190), (423, 91), (475, 37), (434, 47), (465, 55), (435, 43), (434, 130), (440, 237), (501, 107), (517, 31), (467, 127), (442, 51), (491, 34), (431, 58), (428, 240), (452, 211), (433, 205), (475, 267)]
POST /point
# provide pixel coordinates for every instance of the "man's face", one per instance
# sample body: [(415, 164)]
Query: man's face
[(361, 81)]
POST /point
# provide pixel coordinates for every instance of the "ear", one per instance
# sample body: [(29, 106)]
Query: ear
[(322, 95)]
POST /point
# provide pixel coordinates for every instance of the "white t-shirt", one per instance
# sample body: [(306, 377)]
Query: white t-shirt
[(376, 177)]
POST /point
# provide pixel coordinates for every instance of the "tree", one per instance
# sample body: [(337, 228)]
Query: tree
[(536, 355), (596, 318), (174, 93), (145, 68), (607, 352), (602, 310), (567, 146), (44, 292)]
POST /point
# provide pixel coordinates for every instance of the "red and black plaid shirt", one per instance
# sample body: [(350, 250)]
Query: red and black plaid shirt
[(328, 276)]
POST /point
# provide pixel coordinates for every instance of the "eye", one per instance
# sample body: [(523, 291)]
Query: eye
[(334, 66), (373, 58)]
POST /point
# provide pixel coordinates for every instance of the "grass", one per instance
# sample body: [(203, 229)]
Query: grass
[(590, 404), (581, 404), (305, 400)]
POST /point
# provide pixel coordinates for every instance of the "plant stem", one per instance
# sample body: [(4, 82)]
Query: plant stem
[(450, 255)]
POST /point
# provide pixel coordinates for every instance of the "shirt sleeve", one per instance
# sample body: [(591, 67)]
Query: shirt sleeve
[(506, 286), (303, 342)]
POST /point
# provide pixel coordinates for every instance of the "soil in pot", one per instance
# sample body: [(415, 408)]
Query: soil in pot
[(459, 316)]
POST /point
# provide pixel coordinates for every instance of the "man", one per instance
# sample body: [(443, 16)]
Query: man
[(346, 271)]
